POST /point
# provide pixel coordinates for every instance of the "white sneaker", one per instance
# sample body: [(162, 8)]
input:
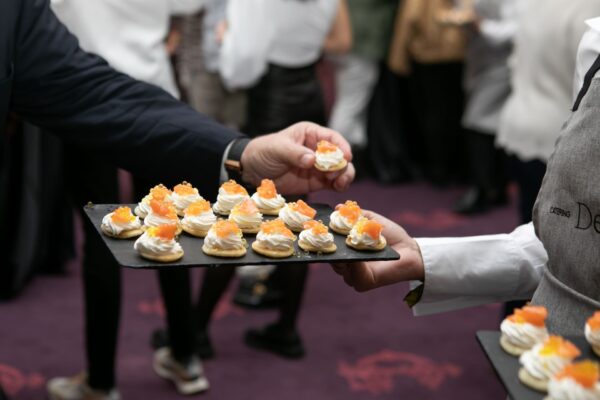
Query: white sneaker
[(188, 379), (76, 388)]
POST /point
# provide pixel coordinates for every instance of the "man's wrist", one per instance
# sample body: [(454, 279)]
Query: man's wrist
[(233, 158)]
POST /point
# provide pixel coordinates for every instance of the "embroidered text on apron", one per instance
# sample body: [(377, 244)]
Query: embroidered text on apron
[(567, 217)]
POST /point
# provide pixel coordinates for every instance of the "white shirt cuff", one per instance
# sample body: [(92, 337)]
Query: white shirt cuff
[(470, 271), (224, 175)]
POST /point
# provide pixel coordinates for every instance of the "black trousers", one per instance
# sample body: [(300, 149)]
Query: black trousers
[(487, 163), (91, 180), (437, 103)]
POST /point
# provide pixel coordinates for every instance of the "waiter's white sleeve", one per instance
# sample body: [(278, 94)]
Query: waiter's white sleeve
[(470, 271)]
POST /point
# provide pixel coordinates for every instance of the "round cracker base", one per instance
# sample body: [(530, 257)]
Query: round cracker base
[(510, 348), (337, 167), (138, 211), (167, 258), (274, 212), (380, 246), (257, 247), (195, 232), (310, 248), (236, 253), (340, 231), (130, 234), (531, 382), (250, 231)]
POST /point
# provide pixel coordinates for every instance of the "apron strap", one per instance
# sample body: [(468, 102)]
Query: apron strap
[(587, 81)]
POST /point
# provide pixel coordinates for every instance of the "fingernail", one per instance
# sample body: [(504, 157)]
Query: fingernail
[(306, 160)]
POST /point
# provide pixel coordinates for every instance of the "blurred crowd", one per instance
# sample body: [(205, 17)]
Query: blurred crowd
[(469, 92)]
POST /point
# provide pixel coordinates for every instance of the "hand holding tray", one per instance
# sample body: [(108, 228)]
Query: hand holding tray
[(126, 256)]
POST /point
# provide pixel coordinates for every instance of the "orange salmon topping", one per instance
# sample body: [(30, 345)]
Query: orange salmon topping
[(232, 187), (326, 147), (275, 226), (184, 189), (534, 315), (122, 215), (198, 207), (556, 345), (594, 321), (350, 210), (163, 208), (586, 373), (316, 227), (303, 208), (246, 207), (224, 228), (267, 190), (165, 232), (159, 192), (369, 227)]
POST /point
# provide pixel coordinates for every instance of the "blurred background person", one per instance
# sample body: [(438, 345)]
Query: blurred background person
[(279, 73), (432, 55), (198, 67), (131, 36), (491, 25), (356, 73), (542, 70)]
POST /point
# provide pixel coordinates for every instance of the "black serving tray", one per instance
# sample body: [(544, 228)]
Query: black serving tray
[(126, 256), (507, 366)]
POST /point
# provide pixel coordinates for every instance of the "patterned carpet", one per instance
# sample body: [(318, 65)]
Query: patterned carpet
[(360, 346)]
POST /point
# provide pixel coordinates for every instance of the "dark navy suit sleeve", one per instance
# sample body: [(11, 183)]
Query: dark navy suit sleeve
[(79, 97)]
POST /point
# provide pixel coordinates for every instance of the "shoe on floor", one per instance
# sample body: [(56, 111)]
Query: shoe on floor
[(286, 343), (476, 201), (204, 349), (188, 378), (76, 388)]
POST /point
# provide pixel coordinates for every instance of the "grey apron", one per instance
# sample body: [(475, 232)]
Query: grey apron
[(567, 217)]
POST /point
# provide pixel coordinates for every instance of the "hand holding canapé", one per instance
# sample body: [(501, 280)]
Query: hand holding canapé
[(364, 276)]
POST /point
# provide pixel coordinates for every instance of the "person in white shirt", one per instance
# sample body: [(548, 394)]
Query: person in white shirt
[(130, 35), (553, 260)]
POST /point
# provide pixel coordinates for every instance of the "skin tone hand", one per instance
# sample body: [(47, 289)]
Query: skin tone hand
[(365, 276), (288, 158)]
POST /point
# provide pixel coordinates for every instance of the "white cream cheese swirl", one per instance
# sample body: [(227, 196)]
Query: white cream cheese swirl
[(143, 208), (156, 246), (523, 335), (183, 202), (274, 203), (202, 221), (231, 242), (542, 367), (339, 222), (116, 228), (275, 241), (153, 219), (319, 241), (226, 201), (592, 336), (246, 221), (329, 159), (568, 389), (293, 219), (362, 238)]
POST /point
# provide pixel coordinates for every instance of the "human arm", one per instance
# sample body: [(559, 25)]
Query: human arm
[(499, 32), (398, 57), (455, 272), (245, 43), (79, 97), (185, 7), (339, 39)]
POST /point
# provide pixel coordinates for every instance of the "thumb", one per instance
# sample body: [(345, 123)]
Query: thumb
[(299, 156)]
